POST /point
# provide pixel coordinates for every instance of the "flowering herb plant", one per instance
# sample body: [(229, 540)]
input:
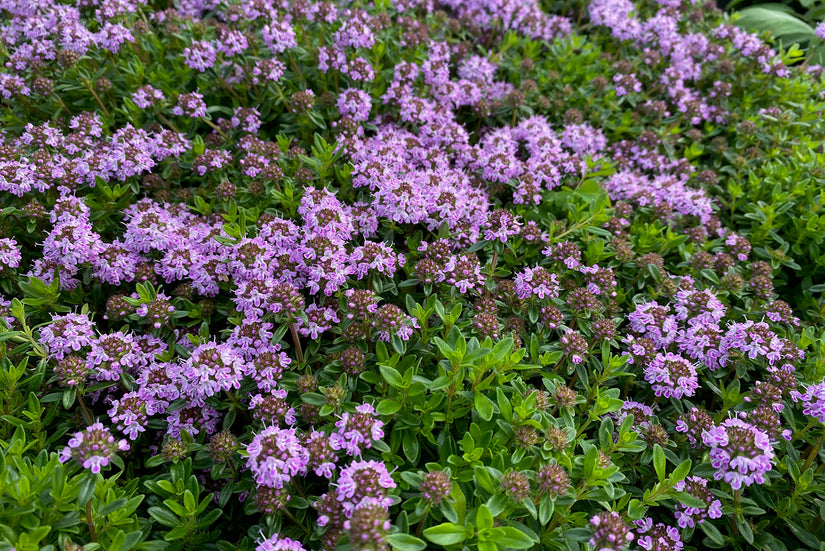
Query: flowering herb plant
[(407, 275)]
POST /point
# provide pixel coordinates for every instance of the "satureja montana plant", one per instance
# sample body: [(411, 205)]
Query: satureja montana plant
[(448, 275)]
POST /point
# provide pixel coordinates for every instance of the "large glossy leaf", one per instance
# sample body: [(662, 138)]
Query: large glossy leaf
[(784, 26)]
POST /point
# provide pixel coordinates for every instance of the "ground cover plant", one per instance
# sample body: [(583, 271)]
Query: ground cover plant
[(412, 275)]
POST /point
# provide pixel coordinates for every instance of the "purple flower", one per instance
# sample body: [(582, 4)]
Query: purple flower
[(201, 55), (279, 36), (322, 456), (693, 423), (658, 537), (193, 420), (357, 431), (319, 319), (67, 333), (113, 354), (610, 532), (355, 103), (740, 452), (275, 456), (231, 42), (689, 517), (536, 281), (390, 321), (574, 346), (698, 306), (364, 479), (190, 105), (813, 400), (267, 70), (369, 524), (654, 322), (583, 139), (436, 487), (211, 368), (672, 376), (276, 543), (626, 83), (93, 448), (147, 96), (820, 30), (272, 408), (130, 414), (501, 225), (9, 253)]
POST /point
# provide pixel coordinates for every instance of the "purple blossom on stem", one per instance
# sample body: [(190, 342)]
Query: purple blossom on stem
[(276, 543), (672, 376), (610, 532), (813, 400), (536, 282), (364, 479), (67, 333), (740, 453), (658, 537), (93, 447), (201, 55), (9, 253), (275, 456), (357, 431), (147, 96), (689, 517)]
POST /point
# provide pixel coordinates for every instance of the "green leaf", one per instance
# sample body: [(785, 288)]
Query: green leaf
[(111, 507), (164, 516), (87, 488), (392, 376), (806, 537), (484, 518), (681, 471), (484, 406), (514, 538), (690, 500), (659, 462), (446, 533), (387, 407), (635, 509), (18, 310), (68, 397), (406, 542), (712, 532), (546, 509), (504, 405)]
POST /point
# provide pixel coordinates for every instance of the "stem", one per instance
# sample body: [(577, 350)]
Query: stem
[(60, 100), (297, 342), (290, 516), (493, 263), (577, 226), (86, 413), (811, 454), (90, 522), (420, 526), (737, 511), (215, 127), (97, 98), (229, 89), (168, 122)]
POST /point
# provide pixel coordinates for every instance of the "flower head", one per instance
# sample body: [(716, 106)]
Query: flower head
[(275, 456), (93, 448), (610, 532), (740, 452)]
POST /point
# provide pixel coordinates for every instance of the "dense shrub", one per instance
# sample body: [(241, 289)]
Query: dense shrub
[(320, 275)]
